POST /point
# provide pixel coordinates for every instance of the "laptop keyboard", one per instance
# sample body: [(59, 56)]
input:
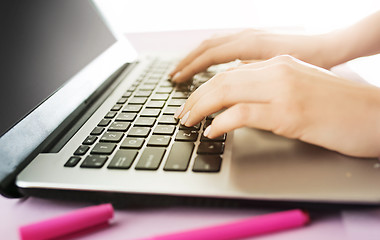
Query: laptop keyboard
[(140, 131)]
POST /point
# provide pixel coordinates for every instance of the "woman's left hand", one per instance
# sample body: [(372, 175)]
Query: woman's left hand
[(291, 99)]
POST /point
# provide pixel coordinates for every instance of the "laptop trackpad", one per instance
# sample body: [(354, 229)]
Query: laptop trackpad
[(264, 163)]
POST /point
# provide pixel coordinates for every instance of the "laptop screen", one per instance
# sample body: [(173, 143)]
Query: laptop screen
[(43, 44)]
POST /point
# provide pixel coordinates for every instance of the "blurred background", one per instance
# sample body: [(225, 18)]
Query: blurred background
[(204, 18), (168, 15)]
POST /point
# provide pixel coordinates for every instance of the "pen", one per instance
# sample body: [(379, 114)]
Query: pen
[(244, 228), (69, 223)]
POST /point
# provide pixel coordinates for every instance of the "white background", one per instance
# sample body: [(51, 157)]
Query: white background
[(307, 16), (165, 15)]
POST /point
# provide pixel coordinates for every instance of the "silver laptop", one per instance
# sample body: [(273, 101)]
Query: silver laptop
[(82, 117)]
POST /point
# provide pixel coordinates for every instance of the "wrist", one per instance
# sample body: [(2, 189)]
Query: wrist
[(324, 50), (334, 48), (343, 45)]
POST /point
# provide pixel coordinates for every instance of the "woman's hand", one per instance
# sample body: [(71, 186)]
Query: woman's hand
[(259, 45), (291, 99)]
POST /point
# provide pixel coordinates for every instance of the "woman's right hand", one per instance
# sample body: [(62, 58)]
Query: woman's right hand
[(257, 45), (292, 99)]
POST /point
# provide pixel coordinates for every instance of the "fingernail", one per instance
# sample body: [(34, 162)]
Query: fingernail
[(179, 111), (184, 119), (176, 76), (207, 131)]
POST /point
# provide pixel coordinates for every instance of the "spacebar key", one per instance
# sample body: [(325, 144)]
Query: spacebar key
[(179, 156)]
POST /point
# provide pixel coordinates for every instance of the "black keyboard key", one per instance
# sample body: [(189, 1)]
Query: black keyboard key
[(137, 100), (94, 162), (151, 82), (135, 143), (179, 156), (221, 138), (127, 94), (176, 102), (183, 87), (97, 131), (170, 110), (139, 132), (159, 141), (132, 88), (116, 107), (210, 148), (155, 76), (167, 84), (104, 122), (119, 126), (90, 140), (207, 123), (126, 117), (110, 115), (150, 112), (135, 84), (81, 150), (164, 90), (164, 130), (193, 128), (150, 158), (180, 95), (72, 162), (186, 135), (207, 163), (160, 97), (143, 93), (123, 159), (147, 87), (155, 104), (103, 148), (122, 100), (212, 116), (153, 79), (112, 137), (167, 119), (132, 108), (145, 121)]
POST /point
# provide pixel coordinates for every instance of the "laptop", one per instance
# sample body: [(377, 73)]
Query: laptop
[(84, 118)]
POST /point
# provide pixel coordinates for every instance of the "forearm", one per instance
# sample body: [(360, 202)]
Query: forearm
[(360, 39)]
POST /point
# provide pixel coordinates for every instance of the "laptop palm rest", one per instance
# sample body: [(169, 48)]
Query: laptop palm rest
[(273, 167)]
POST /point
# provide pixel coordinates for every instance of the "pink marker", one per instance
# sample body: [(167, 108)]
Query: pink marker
[(245, 228), (69, 223)]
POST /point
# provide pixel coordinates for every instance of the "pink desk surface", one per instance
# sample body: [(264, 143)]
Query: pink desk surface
[(139, 223), (133, 224)]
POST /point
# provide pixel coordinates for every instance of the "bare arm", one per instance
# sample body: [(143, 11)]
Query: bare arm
[(360, 39), (324, 50)]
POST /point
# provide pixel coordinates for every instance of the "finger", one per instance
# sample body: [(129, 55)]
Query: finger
[(255, 64), (228, 93), (255, 115), (243, 63), (233, 56), (251, 79), (220, 54), (250, 61), (208, 44)]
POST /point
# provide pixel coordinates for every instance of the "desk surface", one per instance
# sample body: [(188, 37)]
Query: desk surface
[(134, 224), (139, 223)]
